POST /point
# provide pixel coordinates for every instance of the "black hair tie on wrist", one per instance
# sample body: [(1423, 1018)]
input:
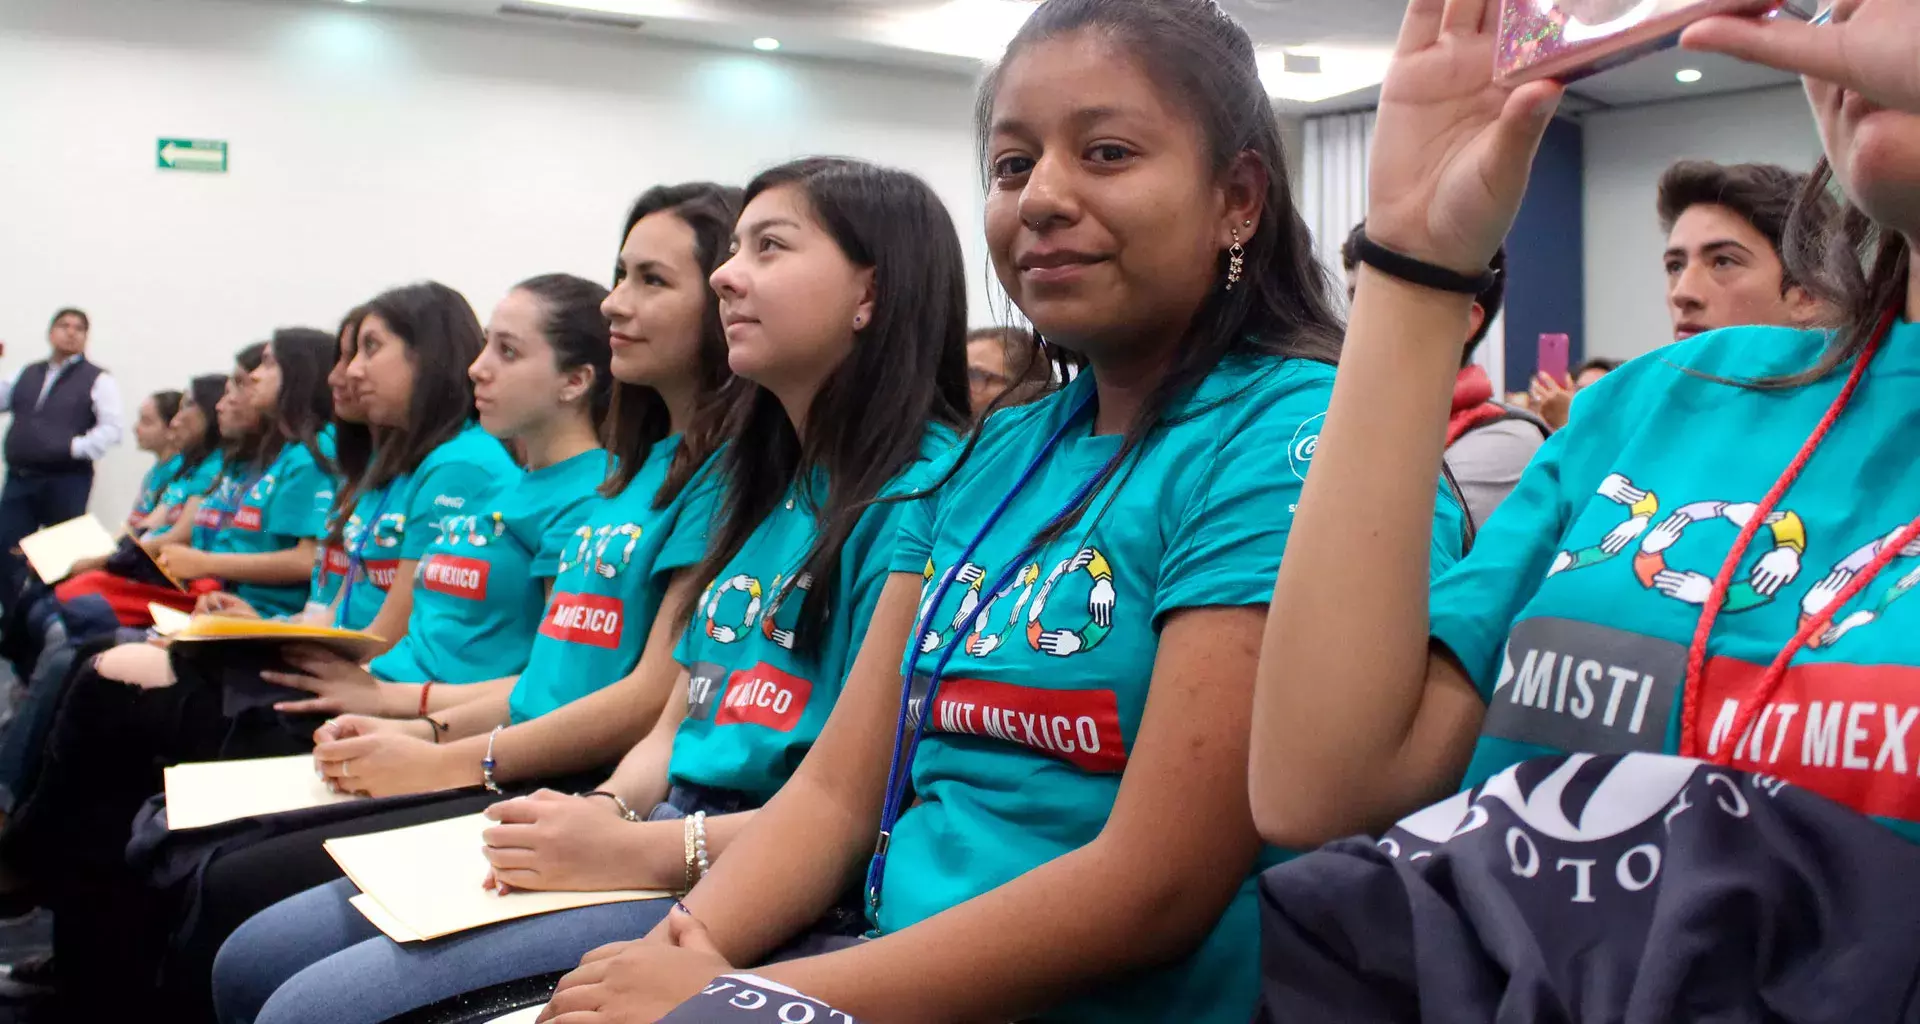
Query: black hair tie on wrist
[(1420, 272)]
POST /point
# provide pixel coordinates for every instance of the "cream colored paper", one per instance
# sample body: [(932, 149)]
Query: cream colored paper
[(53, 551), (380, 917), (199, 795), (167, 621), (429, 877), (526, 1016)]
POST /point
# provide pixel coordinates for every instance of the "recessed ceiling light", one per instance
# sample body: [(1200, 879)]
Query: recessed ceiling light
[(766, 43), (356, 1), (1687, 76)]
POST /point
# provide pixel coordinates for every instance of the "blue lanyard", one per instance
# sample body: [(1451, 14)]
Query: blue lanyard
[(900, 772), (356, 560)]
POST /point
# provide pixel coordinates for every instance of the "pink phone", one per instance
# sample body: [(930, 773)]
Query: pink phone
[(1571, 39), (1553, 355)]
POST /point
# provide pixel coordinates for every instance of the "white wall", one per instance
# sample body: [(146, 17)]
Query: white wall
[(371, 149), (1626, 151)]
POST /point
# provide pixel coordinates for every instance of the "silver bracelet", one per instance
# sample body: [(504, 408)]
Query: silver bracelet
[(487, 765), (627, 813)]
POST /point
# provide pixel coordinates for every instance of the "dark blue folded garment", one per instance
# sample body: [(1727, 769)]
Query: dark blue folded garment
[(1632, 888)]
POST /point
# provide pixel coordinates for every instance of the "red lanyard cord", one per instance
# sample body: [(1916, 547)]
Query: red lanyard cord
[(1722, 583)]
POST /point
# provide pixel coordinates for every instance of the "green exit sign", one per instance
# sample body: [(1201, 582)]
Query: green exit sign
[(209, 155)]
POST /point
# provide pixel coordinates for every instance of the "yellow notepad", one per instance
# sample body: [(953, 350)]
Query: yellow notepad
[(199, 795), (53, 551), (353, 644), (427, 879)]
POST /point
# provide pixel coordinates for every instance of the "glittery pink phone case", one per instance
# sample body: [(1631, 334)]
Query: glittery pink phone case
[(1571, 39)]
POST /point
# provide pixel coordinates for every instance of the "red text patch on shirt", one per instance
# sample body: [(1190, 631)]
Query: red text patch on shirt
[(764, 695), (1848, 732), (337, 563), (584, 619), (1080, 727), (207, 517), (381, 574), (248, 518), (455, 576)]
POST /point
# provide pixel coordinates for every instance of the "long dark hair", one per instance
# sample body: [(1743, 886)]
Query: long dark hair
[(638, 419), (166, 404), (352, 442), (204, 392), (1198, 53), (577, 332), (256, 449), (1842, 257), (305, 403), (907, 371), (443, 338)]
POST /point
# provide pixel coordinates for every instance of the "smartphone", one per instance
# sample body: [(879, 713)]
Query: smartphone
[(1554, 350), (1567, 40)]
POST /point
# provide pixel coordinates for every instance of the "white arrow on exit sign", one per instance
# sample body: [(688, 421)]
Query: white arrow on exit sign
[(192, 155)]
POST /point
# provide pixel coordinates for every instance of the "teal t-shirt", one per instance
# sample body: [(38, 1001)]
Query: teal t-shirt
[(277, 512), (151, 487), (479, 589), (1575, 610), (220, 504), (1032, 730), (755, 705), (192, 483), (397, 523), (612, 574)]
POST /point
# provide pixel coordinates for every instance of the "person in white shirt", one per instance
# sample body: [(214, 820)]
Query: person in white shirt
[(66, 416)]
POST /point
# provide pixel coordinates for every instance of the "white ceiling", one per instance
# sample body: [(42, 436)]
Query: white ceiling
[(914, 33)]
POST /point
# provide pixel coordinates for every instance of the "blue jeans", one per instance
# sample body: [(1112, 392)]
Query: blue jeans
[(313, 959)]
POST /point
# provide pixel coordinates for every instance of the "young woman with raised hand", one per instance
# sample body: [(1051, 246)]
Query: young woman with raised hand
[(843, 275), (1707, 562), (1064, 833)]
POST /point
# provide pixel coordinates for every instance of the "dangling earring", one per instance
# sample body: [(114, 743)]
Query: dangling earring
[(1236, 260)]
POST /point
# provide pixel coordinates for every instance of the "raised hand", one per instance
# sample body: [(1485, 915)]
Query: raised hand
[(1452, 148), (1867, 49)]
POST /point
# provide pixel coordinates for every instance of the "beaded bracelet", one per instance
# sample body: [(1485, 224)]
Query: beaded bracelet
[(700, 844)]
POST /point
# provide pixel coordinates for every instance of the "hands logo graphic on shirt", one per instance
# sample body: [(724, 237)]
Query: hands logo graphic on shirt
[(1777, 568), (974, 620), (476, 531), (1830, 587), (769, 626), (591, 547), (974, 577), (709, 607), (1062, 643), (1774, 571)]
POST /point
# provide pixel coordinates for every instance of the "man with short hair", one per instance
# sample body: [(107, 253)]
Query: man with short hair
[(66, 416), (1005, 361), (1488, 444), (1726, 226)]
